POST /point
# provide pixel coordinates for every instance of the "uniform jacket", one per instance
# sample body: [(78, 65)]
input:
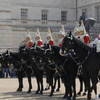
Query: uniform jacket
[(84, 38), (29, 43), (61, 42), (97, 42), (39, 42), (50, 42)]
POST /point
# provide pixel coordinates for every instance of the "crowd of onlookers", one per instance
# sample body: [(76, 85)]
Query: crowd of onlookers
[(7, 72)]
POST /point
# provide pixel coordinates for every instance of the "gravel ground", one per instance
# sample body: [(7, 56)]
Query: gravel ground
[(8, 87)]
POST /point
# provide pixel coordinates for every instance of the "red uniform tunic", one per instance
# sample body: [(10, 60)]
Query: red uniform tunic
[(84, 38), (29, 44), (50, 42), (39, 43), (60, 44)]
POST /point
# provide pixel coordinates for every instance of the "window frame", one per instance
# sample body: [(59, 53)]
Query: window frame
[(24, 14), (63, 15), (44, 15)]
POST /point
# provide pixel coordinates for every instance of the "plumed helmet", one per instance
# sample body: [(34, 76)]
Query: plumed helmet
[(62, 31), (76, 29), (48, 33), (37, 33), (28, 34)]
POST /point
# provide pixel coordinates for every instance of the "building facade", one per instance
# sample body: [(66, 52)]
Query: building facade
[(18, 16)]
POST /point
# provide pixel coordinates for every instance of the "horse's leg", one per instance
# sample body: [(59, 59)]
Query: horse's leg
[(20, 79), (55, 80), (30, 84), (85, 88), (99, 81), (88, 85), (47, 86), (94, 82), (74, 87), (51, 84), (58, 77), (81, 85), (38, 86), (70, 90), (64, 79), (41, 92)]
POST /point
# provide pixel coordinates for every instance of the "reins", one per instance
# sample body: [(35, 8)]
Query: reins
[(81, 63)]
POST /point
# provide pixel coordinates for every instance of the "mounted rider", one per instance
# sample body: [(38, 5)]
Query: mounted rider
[(50, 42), (38, 38), (29, 41), (49, 38), (76, 31), (84, 37), (96, 43), (61, 36)]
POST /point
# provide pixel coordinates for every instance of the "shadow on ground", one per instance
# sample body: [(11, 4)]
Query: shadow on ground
[(32, 96)]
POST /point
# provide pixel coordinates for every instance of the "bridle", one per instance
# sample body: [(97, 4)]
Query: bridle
[(77, 63)]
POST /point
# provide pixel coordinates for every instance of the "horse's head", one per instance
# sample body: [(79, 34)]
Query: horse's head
[(49, 53), (89, 22), (23, 53), (40, 59), (34, 51), (68, 43)]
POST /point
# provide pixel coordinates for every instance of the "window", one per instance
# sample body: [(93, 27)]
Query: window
[(44, 15), (63, 16), (97, 10), (24, 13)]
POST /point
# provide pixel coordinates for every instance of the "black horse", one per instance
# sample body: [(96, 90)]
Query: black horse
[(13, 59), (88, 58), (44, 59), (38, 72), (68, 71)]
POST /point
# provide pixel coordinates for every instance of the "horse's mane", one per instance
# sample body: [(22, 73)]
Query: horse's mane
[(57, 47), (82, 44)]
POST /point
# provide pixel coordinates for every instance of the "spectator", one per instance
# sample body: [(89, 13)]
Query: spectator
[(5, 69), (0, 70), (11, 71)]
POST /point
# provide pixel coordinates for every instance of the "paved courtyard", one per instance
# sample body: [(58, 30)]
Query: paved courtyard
[(8, 87)]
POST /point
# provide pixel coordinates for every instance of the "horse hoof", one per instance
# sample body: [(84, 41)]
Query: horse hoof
[(84, 93), (73, 99), (65, 97), (36, 92), (68, 99), (41, 92), (79, 93), (50, 95), (28, 91), (57, 90), (19, 90), (47, 88), (99, 95)]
